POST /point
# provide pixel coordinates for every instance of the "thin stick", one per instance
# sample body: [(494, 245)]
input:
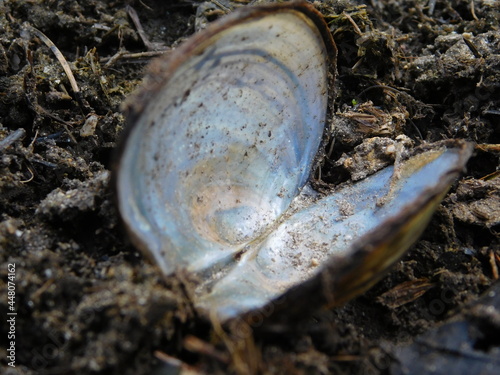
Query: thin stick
[(124, 55), (471, 46), (473, 10), (28, 180), (196, 345), (146, 6), (137, 23), (142, 34), (66, 125), (432, 6), (59, 57), (493, 264), (11, 138), (222, 6), (356, 28), (33, 140)]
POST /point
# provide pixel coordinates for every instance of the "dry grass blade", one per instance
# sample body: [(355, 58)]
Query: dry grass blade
[(196, 345), (59, 57), (493, 264), (405, 293)]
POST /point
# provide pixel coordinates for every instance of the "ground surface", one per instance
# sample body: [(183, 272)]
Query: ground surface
[(89, 303)]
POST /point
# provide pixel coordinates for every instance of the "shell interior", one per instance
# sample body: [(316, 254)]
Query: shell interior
[(219, 154), (330, 228), (212, 174)]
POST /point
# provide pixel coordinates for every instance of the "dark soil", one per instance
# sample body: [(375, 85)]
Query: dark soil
[(87, 302)]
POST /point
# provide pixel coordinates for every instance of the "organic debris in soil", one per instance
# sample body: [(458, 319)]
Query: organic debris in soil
[(88, 303)]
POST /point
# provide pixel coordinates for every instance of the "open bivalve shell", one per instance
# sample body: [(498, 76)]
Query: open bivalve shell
[(213, 169)]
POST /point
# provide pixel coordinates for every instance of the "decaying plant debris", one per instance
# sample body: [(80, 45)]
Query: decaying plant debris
[(87, 302)]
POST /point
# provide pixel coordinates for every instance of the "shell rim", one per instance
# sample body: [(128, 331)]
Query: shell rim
[(332, 286)]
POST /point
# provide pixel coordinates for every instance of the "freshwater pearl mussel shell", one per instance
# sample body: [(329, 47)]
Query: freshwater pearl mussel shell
[(213, 169)]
